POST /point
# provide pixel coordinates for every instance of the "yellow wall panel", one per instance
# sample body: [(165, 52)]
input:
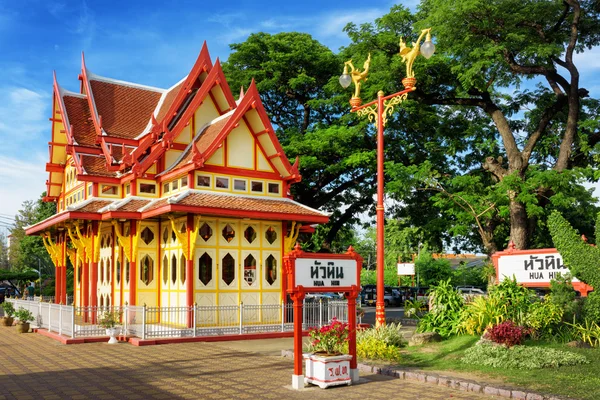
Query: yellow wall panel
[(262, 164), (216, 158), (185, 137), (240, 148), (171, 157), (205, 113)]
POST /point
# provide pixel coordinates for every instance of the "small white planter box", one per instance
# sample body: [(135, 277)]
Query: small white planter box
[(326, 371)]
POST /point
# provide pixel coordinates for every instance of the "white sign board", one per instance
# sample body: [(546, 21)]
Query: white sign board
[(314, 272), (406, 268), (532, 268)]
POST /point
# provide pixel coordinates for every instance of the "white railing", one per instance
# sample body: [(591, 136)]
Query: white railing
[(162, 322)]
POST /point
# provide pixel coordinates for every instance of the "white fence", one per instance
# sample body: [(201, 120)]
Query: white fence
[(167, 322)]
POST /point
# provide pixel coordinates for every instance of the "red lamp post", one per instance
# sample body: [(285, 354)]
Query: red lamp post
[(377, 112)]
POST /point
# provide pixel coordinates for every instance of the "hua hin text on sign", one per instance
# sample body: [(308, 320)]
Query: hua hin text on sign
[(312, 272), (532, 268)]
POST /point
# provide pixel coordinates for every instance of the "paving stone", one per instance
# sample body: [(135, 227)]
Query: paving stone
[(516, 394), (186, 370)]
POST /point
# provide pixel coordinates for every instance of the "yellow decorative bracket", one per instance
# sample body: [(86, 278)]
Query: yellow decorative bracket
[(52, 249), (123, 241), (290, 240), (182, 237), (79, 246), (86, 242), (73, 256), (97, 243)]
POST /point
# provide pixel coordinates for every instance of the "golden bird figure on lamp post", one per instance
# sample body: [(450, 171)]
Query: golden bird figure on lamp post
[(377, 112)]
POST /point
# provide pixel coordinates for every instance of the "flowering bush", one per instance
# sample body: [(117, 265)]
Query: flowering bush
[(507, 333), (110, 319), (330, 338)]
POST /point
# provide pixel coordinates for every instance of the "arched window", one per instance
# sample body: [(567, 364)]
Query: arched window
[(118, 272), (228, 269), (271, 269), (250, 269), (127, 272), (147, 269), (165, 270), (182, 265), (205, 268), (174, 269)]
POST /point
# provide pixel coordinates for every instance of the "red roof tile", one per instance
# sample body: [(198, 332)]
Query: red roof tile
[(132, 205), (79, 116), (240, 203), (168, 101), (96, 165), (125, 110), (94, 206)]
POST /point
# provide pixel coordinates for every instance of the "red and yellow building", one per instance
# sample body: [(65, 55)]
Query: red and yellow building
[(168, 197)]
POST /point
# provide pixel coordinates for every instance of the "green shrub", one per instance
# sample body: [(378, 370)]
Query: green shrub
[(9, 309), (520, 357), (24, 315), (444, 315), (381, 343), (563, 295), (414, 308), (588, 332), (480, 314), (507, 300), (543, 319)]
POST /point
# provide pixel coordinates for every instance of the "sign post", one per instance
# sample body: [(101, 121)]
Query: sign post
[(315, 273)]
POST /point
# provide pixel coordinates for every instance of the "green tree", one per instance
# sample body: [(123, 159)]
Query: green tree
[(25, 251), (512, 152), (3, 253), (431, 271), (298, 81)]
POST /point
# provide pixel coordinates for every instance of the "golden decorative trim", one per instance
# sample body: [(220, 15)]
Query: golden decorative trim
[(388, 106), (290, 240), (371, 112)]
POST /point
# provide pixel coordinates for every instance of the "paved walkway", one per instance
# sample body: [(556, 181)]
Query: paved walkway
[(33, 367)]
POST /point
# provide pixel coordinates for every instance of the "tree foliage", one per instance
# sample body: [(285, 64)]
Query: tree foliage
[(499, 132), (509, 158), (582, 259), (25, 251)]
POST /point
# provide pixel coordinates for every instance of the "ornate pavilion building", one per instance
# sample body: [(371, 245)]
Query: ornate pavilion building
[(169, 197)]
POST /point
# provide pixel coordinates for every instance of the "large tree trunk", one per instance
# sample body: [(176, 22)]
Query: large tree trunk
[(518, 224)]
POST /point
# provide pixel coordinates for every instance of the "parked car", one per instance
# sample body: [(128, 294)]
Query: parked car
[(470, 291), (391, 297)]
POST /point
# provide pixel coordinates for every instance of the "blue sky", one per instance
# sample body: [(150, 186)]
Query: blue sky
[(149, 42)]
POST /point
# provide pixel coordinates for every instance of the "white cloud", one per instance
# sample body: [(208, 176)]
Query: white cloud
[(23, 117), (20, 180)]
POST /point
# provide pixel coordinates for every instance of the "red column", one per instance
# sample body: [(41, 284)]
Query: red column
[(57, 277), (132, 266), (380, 305), (85, 281), (352, 323)]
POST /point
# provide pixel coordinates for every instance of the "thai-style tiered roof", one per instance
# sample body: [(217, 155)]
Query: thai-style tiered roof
[(115, 132)]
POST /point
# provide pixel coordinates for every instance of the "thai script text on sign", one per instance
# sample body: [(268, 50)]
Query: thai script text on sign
[(532, 268), (311, 272)]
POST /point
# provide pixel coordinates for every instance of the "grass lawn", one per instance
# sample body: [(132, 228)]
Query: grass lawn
[(580, 382)]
